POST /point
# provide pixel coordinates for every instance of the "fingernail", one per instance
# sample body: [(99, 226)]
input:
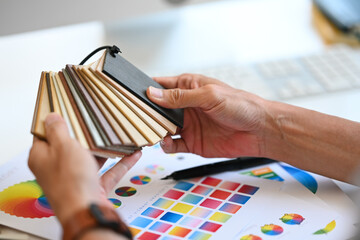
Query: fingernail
[(156, 92), (51, 118)]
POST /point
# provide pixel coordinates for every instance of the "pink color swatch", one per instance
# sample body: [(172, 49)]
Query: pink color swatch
[(210, 203), (230, 185)]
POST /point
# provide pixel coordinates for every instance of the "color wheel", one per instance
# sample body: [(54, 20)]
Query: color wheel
[(154, 169), (303, 177), (25, 199), (116, 203), (326, 229), (125, 191), (272, 229), (250, 237), (140, 180), (292, 219)]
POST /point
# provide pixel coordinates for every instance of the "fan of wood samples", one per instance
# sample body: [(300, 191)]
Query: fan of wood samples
[(105, 106)]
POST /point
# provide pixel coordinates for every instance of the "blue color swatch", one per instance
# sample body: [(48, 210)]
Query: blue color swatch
[(237, 198), (191, 198), (141, 222), (183, 185), (171, 217)]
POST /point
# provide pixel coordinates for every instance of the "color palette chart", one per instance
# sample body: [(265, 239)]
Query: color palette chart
[(194, 209)]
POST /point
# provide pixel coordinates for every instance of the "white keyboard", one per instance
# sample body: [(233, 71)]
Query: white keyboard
[(334, 69)]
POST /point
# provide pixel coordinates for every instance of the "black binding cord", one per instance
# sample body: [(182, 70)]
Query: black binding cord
[(112, 49)]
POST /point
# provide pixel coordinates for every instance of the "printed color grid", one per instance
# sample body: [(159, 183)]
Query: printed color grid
[(194, 209)]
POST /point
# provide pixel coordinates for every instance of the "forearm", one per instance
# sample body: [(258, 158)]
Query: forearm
[(313, 141)]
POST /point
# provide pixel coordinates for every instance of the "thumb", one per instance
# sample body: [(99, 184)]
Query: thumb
[(56, 129), (177, 98)]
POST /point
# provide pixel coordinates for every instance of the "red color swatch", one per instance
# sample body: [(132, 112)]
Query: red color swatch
[(220, 194), (211, 181), (173, 194), (149, 236)]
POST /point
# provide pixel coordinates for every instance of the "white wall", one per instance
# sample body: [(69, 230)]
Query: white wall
[(27, 15)]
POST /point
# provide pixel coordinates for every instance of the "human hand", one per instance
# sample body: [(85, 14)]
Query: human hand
[(219, 121), (67, 172)]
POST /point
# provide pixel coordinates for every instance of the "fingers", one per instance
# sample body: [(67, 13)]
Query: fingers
[(187, 90), (187, 81), (167, 82), (170, 145), (56, 129), (113, 175), (38, 155), (179, 98)]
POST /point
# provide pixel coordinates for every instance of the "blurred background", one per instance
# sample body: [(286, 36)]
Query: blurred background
[(226, 39), (161, 37)]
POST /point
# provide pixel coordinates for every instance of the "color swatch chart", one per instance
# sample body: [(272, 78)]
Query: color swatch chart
[(194, 209)]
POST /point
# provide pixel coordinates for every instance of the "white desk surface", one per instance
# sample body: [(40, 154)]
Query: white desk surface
[(199, 36)]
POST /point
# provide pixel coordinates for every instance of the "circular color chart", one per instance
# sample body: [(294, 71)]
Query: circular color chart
[(125, 191), (154, 169), (140, 180), (250, 237), (25, 199), (292, 219), (272, 229), (115, 202)]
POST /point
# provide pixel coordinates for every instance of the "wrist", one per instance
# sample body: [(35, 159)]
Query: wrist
[(69, 204), (101, 217), (278, 117), (64, 211)]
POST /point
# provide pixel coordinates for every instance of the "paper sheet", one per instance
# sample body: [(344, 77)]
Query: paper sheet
[(226, 205)]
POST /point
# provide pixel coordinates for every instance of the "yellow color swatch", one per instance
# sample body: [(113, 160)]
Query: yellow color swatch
[(220, 217), (134, 231), (182, 208)]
